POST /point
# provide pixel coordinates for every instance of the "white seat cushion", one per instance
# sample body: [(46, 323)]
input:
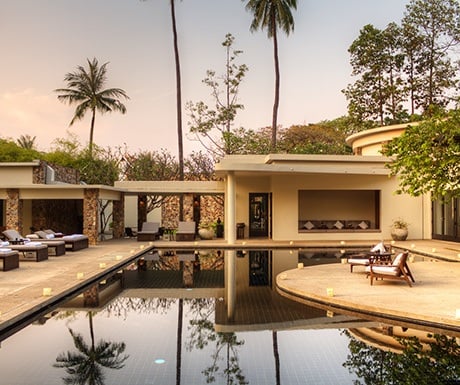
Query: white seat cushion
[(384, 269), (358, 261)]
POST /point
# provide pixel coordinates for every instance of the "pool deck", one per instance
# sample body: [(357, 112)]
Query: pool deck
[(434, 299)]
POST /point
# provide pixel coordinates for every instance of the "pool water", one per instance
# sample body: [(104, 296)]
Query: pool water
[(145, 328)]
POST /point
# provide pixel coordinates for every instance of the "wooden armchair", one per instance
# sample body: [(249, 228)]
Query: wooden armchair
[(398, 270)]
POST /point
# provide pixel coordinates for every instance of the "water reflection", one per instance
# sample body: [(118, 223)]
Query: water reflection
[(432, 360), (87, 364), (173, 333)]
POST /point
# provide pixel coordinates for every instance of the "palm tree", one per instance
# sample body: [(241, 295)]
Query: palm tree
[(273, 14), (85, 366), (27, 142), (86, 89)]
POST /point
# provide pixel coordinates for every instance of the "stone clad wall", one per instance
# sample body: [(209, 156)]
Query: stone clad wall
[(14, 207), (91, 215), (61, 174), (211, 209)]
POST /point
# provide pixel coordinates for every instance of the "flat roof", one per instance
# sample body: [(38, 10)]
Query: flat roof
[(303, 164)]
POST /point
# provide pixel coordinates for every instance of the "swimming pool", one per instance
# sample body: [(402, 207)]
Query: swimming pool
[(143, 327)]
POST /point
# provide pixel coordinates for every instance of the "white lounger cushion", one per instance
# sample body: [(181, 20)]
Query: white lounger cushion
[(384, 269)]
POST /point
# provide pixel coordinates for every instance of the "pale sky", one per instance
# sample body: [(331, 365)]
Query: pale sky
[(42, 40)]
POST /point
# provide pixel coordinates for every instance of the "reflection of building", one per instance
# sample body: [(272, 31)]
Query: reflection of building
[(387, 338)]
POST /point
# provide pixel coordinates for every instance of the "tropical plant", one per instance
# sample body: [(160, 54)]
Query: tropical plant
[(273, 14), (27, 142), (86, 90)]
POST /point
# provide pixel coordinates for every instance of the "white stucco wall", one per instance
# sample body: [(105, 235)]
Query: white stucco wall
[(285, 187)]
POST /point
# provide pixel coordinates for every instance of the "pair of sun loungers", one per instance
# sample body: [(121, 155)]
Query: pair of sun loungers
[(380, 266), (38, 246), (151, 231)]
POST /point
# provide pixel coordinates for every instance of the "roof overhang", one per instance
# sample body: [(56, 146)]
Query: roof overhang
[(171, 187), (303, 164), (60, 191)]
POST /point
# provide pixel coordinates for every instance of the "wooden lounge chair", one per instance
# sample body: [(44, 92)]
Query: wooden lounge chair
[(185, 231), (150, 232), (398, 270), (55, 247)]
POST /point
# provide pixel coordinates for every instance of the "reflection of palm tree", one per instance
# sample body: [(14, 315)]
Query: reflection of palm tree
[(85, 366)]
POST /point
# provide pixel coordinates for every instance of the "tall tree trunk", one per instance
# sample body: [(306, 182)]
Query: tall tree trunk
[(277, 88), (91, 132), (179, 109)]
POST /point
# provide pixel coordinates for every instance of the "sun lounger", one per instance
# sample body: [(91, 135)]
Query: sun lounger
[(150, 232), (185, 231), (73, 242), (55, 247), (398, 270), (9, 259), (28, 251)]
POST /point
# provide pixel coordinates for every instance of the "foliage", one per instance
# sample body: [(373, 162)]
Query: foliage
[(199, 166), (206, 121), (245, 142), (271, 15), (149, 165), (434, 363), (406, 70), (376, 57), (85, 88), (433, 30), (99, 168), (313, 139), (12, 152), (400, 224), (426, 157)]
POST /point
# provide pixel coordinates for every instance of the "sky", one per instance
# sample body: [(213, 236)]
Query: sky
[(42, 40)]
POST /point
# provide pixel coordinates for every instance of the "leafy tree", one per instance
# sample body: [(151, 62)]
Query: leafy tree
[(85, 87), (313, 139), (433, 28), (273, 14), (376, 58), (250, 141), (426, 157), (27, 142), (199, 166), (205, 121)]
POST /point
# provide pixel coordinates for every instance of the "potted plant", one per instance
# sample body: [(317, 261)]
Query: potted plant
[(399, 230), (206, 230)]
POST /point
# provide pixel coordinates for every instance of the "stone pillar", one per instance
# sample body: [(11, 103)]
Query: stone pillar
[(141, 211), (14, 214), (119, 217), (91, 214)]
